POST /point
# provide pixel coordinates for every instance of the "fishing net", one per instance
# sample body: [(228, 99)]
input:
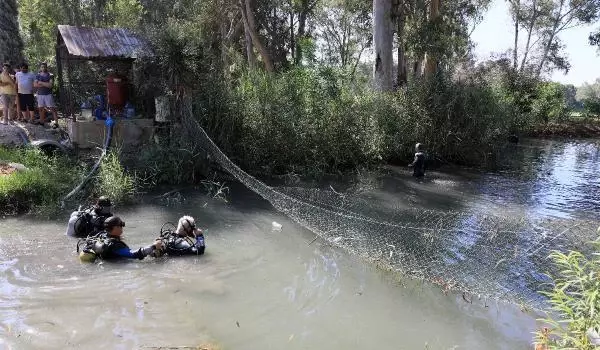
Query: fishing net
[(486, 256)]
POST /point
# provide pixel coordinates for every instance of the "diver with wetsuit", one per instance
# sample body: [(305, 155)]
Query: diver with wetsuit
[(108, 245), (85, 222), (187, 239), (418, 163)]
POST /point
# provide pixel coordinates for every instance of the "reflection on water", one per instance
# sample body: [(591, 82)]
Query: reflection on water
[(261, 289), (549, 178)]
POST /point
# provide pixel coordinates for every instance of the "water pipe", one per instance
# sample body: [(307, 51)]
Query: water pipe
[(107, 140)]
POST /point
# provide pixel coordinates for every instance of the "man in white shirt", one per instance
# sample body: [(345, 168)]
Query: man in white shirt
[(25, 81)]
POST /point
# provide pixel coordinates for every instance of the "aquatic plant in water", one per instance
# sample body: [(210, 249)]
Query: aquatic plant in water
[(574, 316)]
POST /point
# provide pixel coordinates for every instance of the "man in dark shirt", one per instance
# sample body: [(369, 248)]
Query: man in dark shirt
[(43, 82), (83, 223), (114, 248), (418, 164)]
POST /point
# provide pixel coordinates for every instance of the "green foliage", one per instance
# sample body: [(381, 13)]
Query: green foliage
[(550, 103), (169, 165), (43, 184), (11, 44), (574, 300), (39, 19), (314, 121), (114, 181), (589, 96)]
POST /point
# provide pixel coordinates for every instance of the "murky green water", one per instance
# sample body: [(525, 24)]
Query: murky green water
[(262, 289)]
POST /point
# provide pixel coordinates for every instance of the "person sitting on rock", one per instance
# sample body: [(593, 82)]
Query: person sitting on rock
[(91, 220), (108, 244)]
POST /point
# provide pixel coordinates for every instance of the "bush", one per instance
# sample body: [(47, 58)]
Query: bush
[(169, 165), (574, 300), (43, 184), (113, 181), (314, 121), (550, 103)]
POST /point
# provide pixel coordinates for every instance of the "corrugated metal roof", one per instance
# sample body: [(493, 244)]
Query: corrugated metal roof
[(103, 42)]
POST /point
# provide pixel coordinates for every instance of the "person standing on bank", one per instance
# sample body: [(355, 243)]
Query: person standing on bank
[(43, 82), (25, 80), (418, 164), (8, 93)]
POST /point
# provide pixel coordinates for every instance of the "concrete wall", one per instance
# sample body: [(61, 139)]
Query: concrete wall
[(126, 132)]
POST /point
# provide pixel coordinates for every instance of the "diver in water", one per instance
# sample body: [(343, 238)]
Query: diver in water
[(418, 164), (187, 239), (90, 221), (108, 244)]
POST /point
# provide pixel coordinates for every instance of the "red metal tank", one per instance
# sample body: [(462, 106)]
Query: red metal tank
[(116, 90)]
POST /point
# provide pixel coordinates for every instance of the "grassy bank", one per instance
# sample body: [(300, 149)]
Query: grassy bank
[(42, 184)]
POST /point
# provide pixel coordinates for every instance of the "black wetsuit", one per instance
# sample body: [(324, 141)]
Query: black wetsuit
[(177, 246), (97, 220), (419, 165), (86, 222), (114, 248)]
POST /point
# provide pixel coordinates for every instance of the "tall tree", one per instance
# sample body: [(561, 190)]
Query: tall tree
[(383, 39), (300, 9), (11, 45), (344, 32), (515, 11), (430, 57), (250, 27), (402, 71), (544, 21)]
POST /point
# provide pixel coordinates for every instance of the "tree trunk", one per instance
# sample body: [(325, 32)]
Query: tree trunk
[(402, 69), (517, 9), (292, 33), (383, 44), (300, 36), (11, 45), (249, 49), (250, 25), (418, 66), (430, 60), (532, 20), (538, 71)]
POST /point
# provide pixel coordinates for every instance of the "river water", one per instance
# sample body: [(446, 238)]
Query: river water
[(260, 288)]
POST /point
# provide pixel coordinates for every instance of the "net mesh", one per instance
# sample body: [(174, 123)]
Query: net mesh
[(487, 256)]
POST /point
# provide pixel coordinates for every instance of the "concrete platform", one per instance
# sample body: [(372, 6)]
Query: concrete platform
[(126, 132)]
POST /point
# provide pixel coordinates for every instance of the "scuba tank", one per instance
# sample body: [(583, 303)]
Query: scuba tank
[(94, 246), (177, 246), (80, 223)]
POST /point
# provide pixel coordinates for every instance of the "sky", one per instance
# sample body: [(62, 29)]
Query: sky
[(495, 34)]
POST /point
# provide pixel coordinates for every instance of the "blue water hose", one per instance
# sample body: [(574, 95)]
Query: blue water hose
[(107, 140)]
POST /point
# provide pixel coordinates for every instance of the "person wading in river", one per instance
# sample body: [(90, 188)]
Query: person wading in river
[(108, 244), (418, 164), (89, 221)]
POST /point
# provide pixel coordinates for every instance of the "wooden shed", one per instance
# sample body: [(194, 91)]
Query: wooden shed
[(85, 56)]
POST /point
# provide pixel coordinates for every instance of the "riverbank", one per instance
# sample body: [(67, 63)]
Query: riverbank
[(39, 185), (572, 128)]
